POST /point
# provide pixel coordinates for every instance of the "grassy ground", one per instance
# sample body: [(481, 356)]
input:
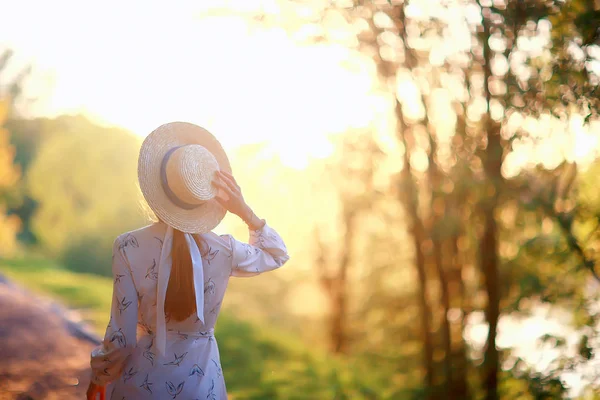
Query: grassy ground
[(259, 362)]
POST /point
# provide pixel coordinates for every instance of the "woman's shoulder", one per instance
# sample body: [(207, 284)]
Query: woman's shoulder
[(216, 239), (133, 237)]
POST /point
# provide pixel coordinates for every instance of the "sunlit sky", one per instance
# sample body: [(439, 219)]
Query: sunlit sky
[(140, 64)]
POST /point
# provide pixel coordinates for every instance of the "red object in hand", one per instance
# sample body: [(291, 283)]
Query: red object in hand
[(94, 390)]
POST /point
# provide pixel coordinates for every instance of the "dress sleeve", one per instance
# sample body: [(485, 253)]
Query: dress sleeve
[(108, 359), (265, 251)]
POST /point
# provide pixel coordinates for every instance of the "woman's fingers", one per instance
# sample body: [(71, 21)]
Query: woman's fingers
[(229, 176), (223, 188), (229, 181), (220, 200), (219, 183)]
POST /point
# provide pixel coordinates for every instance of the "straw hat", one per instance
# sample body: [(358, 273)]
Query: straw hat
[(175, 169)]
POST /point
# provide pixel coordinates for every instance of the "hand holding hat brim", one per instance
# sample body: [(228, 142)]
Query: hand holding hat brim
[(230, 197), (230, 194)]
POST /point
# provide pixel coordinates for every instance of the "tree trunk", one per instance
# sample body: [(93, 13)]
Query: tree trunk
[(445, 297), (409, 199), (334, 282), (489, 241), (435, 182), (460, 363), (337, 331), (456, 285), (489, 268), (339, 299)]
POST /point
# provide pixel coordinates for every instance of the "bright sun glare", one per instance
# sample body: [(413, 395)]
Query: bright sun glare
[(139, 65)]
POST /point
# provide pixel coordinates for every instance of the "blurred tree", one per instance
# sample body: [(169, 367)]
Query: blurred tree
[(425, 203), (488, 248), (9, 172), (558, 84), (503, 90), (468, 216), (9, 175), (27, 137), (84, 179), (353, 177)]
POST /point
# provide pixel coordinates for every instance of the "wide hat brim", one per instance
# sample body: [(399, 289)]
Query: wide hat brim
[(201, 219)]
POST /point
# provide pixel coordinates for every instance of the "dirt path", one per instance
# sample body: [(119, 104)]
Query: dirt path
[(43, 355)]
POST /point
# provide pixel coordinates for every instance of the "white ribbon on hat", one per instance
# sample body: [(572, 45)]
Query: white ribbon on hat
[(164, 271)]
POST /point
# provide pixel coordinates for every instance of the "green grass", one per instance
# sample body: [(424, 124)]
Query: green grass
[(260, 362)]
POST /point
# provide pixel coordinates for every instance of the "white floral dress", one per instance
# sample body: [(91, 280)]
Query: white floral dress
[(145, 355)]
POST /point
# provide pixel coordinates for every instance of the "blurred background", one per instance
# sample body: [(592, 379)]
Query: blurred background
[(431, 164)]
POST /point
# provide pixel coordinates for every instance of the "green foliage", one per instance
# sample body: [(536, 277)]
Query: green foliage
[(83, 181), (88, 254), (26, 137), (573, 84), (9, 172)]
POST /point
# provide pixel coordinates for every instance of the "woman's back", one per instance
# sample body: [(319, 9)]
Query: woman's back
[(143, 251), (190, 362)]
